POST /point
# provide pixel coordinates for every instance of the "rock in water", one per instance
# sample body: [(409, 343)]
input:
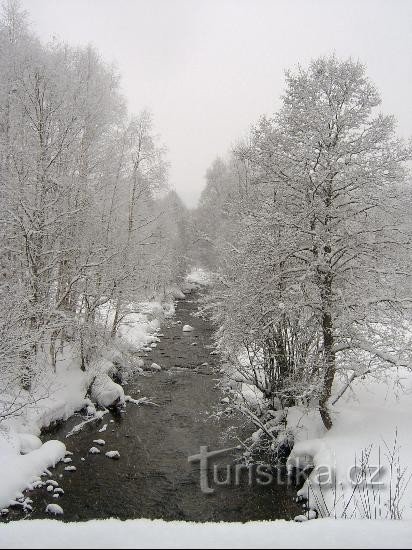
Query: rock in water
[(113, 454), (94, 451)]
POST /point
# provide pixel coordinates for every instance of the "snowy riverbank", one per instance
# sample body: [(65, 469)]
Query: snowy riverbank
[(23, 457)]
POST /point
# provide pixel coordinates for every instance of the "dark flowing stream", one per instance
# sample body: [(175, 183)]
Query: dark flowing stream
[(153, 478)]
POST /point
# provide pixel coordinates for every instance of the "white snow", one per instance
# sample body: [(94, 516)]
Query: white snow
[(28, 443), (187, 328), (366, 418), (99, 442), (142, 533), (18, 471)]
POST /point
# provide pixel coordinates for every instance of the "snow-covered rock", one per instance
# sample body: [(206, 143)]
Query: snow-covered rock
[(113, 454), (70, 468), (105, 392), (100, 442), (94, 451), (52, 482), (54, 510), (155, 366), (187, 328)]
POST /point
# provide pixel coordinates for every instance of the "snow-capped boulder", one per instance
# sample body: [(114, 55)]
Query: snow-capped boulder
[(52, 482), (155, 366), (107, 393), (70, 468), (187, 328), (94, 451), (100, 442), (115, 455), (54, 510)]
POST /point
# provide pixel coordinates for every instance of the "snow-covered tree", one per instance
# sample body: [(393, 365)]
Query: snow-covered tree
[(320, 283)]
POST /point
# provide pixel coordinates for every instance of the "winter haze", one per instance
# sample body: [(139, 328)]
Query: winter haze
[(208, 69)]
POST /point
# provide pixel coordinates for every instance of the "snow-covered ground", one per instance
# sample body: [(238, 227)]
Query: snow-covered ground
[(325, 533), (363, 465), (371, 423)]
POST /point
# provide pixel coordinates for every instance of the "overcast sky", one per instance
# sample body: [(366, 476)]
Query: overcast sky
[(207, 69)]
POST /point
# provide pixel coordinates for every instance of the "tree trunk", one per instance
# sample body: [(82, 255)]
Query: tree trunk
[(330, 364)]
